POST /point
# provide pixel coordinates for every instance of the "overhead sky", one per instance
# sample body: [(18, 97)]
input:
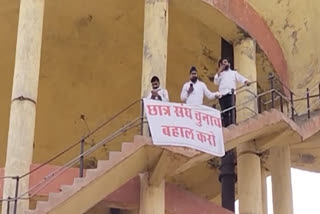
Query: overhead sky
[(306, 192)]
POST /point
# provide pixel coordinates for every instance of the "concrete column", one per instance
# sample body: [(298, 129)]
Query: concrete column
[(155, 44), (245, 64), (281, 179), (249, 179), (24, 97), (264, 190), (152, 198)]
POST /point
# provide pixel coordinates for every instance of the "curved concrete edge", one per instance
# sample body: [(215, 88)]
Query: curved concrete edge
[(259, 122), (242, 13), (311, 126)]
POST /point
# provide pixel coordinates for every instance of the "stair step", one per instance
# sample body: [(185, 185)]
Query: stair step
[(114, 155), (103, 164), (66, 191), (41, 205), (54, 196), (127, 147), (77, 181), (92, 173)]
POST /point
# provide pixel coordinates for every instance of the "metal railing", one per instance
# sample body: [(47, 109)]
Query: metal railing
[(278, 99), (305, 99), (78, 159)]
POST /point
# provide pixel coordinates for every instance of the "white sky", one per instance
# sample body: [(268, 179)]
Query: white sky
[(306, 192)]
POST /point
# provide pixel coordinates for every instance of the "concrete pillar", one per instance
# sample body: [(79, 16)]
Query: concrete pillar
[(155, 42), (152, 198), (24, 97), (249, 179), (281, 179), (264, 190), (245, 64)]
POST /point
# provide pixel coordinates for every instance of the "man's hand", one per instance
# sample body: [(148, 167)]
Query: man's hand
[(218, 95), (221, 67), (154, 93), (190, 90)]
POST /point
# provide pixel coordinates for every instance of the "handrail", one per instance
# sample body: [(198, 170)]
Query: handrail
[(237, 90), (256, 97), (271, 75), (314, 87), (51, 176), (84, 138), (304, 98), (249, 100), (247, 90)]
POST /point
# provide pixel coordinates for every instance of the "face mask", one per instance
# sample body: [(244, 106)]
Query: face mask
[(227, 68), (155, 87), (194, 79)]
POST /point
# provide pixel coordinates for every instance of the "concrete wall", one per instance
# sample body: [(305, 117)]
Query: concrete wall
[(92, 59), (295, 25)]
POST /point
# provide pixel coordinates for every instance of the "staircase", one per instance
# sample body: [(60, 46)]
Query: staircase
[(121, 167), (141, 156), (134, 158)]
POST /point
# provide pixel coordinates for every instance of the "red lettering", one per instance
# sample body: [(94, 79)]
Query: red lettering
[(182, 111), (177, 131), (206, 138), (155, 110)]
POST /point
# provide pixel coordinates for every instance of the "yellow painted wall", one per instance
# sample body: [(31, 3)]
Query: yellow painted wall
[(92, 59), (295, 25), (91, 65), (9, 11)]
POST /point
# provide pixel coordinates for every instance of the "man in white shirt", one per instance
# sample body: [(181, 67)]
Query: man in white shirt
[(194, 90), (158, 93), (227, 79)]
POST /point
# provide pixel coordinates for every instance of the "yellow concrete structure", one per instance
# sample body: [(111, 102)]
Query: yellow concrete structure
[(264, 190), (152, 198), (245, 64), (24, 98), (249, 179), (281, 179), (67, 66), (154, 43)]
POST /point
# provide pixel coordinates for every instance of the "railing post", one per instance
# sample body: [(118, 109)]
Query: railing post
[(308, 103), (292, 107), (81, 158), (259, 104), (16, 195), (271, 79), (233, 111), (142, 117), (8, 205), (281, 103)]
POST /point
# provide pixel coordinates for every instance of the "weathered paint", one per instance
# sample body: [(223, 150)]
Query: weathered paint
[(155, 43), (295, 24), (152, 198), (24, 99), (245, 64), (81, 81), (280, 168), (249, 179), (248, 18), (177, 200)]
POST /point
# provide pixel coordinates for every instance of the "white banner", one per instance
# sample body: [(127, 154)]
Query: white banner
[(194, 126)]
